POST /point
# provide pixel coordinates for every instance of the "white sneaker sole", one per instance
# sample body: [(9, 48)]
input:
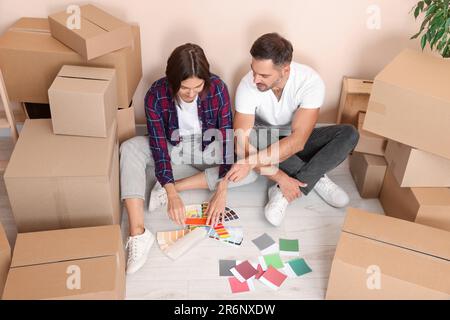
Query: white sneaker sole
[(143, 260), (335, 205)]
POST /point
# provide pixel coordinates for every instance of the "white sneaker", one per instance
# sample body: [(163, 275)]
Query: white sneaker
[(158, 197), (330, 192), (138, 248), (275, 209)]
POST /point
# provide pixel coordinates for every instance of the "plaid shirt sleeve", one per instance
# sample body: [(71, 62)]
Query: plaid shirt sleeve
[(157, 138), (225, 125)]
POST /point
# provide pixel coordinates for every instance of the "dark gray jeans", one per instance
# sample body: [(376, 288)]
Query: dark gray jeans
[(325, 149)]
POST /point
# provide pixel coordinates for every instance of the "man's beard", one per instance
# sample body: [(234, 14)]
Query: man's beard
[(264, 88)]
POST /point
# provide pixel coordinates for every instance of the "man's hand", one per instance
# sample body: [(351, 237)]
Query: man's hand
[(216, 206), (176, 209), (239, 171), (290, 187)]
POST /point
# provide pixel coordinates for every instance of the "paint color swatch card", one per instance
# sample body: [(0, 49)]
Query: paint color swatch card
[(225, 266), (221, 231), (289, 247), (296, 268), (260, 272), (265, 244), (244, 271), (273, 278), (168, 238), (230, 215), (236, 235), (238, 286), (184, 244), (194, 215), (273, 260)]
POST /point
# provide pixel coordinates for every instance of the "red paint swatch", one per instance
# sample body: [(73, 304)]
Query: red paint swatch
[(260, 272), (195, 221), (237, 286), (273, 278), (244, 271)]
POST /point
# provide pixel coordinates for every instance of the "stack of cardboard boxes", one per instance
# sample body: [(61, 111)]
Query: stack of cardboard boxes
[(405, 254), (367, 163), (63, 176)]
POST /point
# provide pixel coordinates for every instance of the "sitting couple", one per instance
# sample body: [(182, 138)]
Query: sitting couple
[(189, 101)]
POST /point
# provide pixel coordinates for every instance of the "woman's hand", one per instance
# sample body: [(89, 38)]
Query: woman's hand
[(216, 206), (175, 207)]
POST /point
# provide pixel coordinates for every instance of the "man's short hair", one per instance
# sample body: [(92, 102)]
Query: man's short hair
[(272, 46)]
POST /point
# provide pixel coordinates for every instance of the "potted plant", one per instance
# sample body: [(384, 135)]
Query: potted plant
[(435, 28)]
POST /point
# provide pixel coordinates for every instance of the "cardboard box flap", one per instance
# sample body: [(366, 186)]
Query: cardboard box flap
[(375, 160), (400, 233), (395, 264), (98, 280), (433, 196), (93, 21), (31, 25), (87, 73), (36, 248), (59, 155), (358, 86), (27, 35), (4, 244), (101, 18), (410, 70)]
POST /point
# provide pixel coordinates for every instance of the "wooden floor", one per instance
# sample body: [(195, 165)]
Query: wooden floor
[(196, 275)]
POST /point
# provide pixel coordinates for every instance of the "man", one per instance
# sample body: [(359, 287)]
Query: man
[(279, 92)]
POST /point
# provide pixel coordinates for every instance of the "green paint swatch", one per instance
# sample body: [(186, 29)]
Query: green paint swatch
[(299, 266), (274, 260), (289, 245)]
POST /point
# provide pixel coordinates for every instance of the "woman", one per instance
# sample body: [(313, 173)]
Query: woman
[(189, 121)]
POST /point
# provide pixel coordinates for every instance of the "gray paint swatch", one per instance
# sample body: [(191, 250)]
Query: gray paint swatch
[(225, 266), (263, 242)]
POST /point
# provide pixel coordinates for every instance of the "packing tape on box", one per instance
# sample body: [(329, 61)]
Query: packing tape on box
[(29, 30), (184, 244)]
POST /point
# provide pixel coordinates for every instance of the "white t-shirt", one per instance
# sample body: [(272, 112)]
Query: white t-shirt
[(188, 122), (304, 88)]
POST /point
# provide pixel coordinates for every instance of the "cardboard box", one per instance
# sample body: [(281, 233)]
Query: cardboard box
[(430, 206), (368, 173), (354, 98), (5, 258), (369, 142), (416, 168), (99, 33), (55, 181), (126, 124), (410, 102), (377, 258), (84, 263), (83, 101), (30, 59)]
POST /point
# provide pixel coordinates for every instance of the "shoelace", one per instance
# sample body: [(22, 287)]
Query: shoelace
[(162, 197), (278, 205), (328, 185), (132, 246)]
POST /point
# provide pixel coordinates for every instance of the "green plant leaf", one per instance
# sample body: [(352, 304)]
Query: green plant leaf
[(423, 42), (419, 9), (438, 36)]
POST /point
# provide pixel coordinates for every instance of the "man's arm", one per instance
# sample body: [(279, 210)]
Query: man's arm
[(243, 124), (302, 125)]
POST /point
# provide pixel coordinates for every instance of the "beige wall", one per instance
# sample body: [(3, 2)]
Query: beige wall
[(330, 35)]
